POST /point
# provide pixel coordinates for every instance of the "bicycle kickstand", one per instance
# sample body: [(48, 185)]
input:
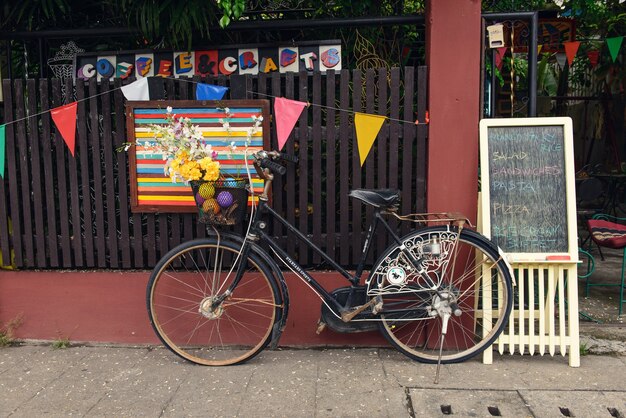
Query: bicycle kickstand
[(444, 329)]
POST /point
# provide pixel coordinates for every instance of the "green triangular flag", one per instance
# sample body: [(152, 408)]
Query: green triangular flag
[(614, 44), (2, 141)]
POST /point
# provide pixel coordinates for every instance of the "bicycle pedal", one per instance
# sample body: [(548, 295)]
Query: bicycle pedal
[(378, 306), (321, 325)]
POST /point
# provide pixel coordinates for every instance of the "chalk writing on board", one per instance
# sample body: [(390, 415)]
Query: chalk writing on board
[(527, 188)]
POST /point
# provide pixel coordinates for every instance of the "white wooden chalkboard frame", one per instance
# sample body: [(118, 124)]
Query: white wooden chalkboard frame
[(569, 256)]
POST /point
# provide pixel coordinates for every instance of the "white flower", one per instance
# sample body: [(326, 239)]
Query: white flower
[(169, 109)]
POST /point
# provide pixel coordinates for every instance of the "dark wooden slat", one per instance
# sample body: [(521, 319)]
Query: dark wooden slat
[(108, 151), (382, 152), (316, 163), (279, 181), (394, 134), (119, 138), (152, 240), (371, 99), (61, 182), (303, 177), (422, 133), (5, 246), (331, 166), (11, 176), (344, 167), (357, 207), (36, 172), (24, 174), (394, 129), (290, 178), (48, 173), (98, 179), (408, 138), (139, 260), (74, 198), (83, 156)]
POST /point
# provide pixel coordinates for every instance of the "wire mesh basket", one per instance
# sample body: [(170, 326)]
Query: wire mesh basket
[(221, 202)]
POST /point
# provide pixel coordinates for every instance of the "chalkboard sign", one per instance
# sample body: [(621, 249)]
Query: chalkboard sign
[(151, 190), (527, 178)]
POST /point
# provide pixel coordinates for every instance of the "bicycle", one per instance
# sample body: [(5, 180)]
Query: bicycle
[(441, 294)]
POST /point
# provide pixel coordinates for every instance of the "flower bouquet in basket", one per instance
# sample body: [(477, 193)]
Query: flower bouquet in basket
[(221, 200)]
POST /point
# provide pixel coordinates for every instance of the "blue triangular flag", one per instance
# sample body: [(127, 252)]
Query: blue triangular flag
[(210, 92)]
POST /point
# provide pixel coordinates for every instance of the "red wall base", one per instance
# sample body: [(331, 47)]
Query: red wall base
[(110, 307)]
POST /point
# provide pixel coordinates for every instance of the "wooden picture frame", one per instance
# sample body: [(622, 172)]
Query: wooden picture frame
[(150, 190)]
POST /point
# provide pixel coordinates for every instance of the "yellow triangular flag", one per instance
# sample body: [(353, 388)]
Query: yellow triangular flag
[(367, 127)]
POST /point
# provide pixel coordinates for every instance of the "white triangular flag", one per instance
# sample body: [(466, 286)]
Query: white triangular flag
[(561, 59), (137, 90)]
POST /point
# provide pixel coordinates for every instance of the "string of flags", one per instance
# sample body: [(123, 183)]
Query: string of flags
[(613, 44), (286, 114)]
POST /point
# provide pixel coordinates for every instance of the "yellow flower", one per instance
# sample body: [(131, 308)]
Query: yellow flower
[(211, 168)]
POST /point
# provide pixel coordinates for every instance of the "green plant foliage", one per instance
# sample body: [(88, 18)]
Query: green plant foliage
[(7, 332), (170, 22), (61, 343)]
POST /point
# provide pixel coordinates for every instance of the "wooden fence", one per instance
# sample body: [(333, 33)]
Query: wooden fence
[(64, 211)]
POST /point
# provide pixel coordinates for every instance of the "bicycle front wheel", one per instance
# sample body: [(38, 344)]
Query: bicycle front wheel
[(184, 298), (460, 284)]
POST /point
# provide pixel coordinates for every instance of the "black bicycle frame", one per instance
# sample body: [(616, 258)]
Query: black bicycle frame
[(257, 232)]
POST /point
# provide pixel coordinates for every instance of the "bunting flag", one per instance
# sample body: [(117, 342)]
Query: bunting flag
[(561, 59), (64, 118), (614, 45), (571, 48), (500, 56), (2, 144), (137, 90), (286, 113), (594, 57), (210, 92), (367, 128)]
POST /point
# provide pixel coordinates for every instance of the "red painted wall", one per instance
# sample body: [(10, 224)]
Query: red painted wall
[(111, 307), (453, 58)]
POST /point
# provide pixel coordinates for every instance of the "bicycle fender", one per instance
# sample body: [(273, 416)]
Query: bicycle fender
[(495, 248), (281, 322)]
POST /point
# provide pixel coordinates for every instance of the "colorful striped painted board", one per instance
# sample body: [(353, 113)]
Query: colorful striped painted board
[(151, 190)]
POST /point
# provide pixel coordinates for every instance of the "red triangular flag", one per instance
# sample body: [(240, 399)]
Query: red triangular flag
[(286, 113), (64, 118), (594, 57), (571, 48), (500, 55)]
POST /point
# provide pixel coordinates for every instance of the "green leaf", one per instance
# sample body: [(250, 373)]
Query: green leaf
[(224, 21)]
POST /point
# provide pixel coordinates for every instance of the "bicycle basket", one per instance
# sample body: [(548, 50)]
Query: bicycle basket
[(221, 202)]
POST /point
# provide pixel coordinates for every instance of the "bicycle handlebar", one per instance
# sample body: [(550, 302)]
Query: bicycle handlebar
[(266, 159), (272, 165)]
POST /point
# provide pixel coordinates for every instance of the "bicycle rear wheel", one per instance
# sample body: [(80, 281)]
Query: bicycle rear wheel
[(182, 299), (466, 281)]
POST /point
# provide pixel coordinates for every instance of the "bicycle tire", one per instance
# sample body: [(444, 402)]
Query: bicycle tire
[(180, 293), (407, 320)]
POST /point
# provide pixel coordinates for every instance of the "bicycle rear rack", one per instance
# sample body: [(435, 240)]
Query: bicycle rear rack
[(435, 218)]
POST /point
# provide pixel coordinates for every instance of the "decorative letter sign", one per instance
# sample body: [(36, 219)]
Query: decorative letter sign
[(304, 56)]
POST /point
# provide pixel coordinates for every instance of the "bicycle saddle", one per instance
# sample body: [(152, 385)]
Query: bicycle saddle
[(380, 198)]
